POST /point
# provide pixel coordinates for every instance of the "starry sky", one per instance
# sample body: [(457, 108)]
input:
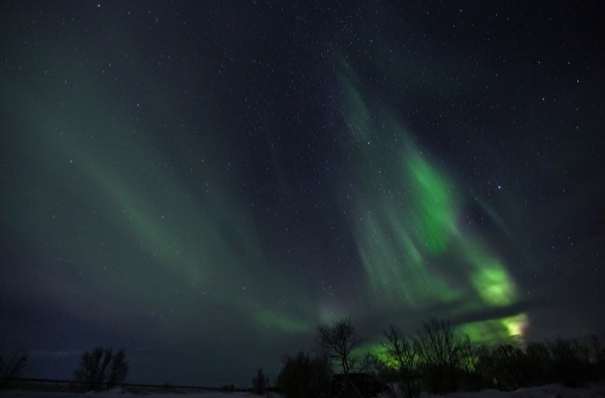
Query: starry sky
[(204, 183)]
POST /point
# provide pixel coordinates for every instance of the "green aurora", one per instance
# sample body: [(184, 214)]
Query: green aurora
[(204, 183), (407, 229)]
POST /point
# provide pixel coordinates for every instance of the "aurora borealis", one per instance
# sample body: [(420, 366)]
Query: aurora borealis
[(203, 183)]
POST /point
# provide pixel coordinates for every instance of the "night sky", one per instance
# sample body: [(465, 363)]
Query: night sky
[(203, 183)]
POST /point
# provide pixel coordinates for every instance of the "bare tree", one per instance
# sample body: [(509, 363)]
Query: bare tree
[(260, 383), (471, 377), (404, 359), (598, 351), (11, 367), (337, 342), (439, 350), (118, 370), (101, 367)]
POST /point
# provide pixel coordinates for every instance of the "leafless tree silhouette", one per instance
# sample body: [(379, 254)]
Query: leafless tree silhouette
[(101, 368), (337, 342), (10, 367)]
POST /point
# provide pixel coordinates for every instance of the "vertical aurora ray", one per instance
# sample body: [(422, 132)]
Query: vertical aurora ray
[(434, 213), (413, 252)]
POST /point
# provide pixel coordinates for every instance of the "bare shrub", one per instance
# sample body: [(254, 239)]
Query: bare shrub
[(260, 383), (304, 376), (100, 368), (571, 362), (11, 367)]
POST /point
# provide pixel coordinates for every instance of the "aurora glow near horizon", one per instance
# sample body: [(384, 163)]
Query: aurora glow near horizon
[(203, 184)]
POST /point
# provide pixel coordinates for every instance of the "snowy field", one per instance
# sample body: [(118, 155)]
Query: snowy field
[(119, 393), (549, 391), (142, 394)]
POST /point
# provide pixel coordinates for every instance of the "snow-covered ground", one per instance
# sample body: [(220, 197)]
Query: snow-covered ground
[(114, 394), (118, 393), (549, 391)]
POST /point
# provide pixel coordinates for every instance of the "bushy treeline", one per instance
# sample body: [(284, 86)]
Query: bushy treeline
[(439, 359), (305, 376), (560, 361)]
